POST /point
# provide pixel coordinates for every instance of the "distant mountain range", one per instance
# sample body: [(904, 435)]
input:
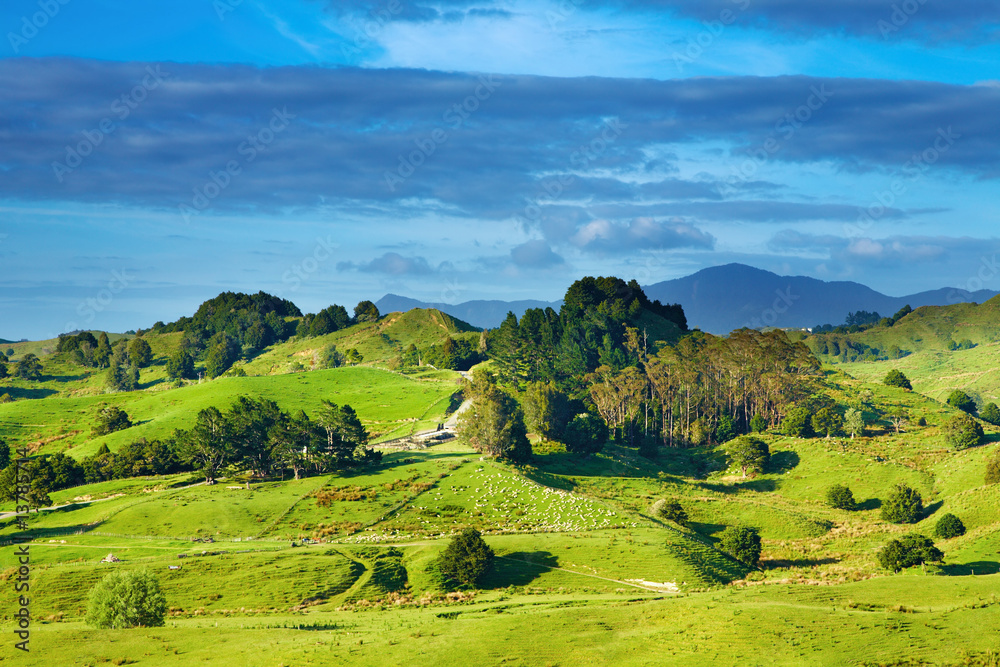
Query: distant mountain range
[(722, 298)]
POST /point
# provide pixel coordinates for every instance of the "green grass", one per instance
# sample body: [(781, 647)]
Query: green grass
[(389, 404)]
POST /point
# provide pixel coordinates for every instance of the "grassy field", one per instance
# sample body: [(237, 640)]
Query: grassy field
[(340, 569)]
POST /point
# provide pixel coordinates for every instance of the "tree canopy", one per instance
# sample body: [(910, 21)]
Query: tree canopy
[(466, 559), (742, 543), (903, 505), (907, 551), (896, 378), (126, 599)]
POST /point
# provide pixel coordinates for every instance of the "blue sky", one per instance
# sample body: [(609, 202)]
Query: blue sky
[(153, 155)]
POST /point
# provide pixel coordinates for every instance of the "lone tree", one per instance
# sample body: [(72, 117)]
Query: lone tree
[(899, 418), (854, 422), (828, 421), (742, 543), (949, 526), (963, 431), (467, 558), (908, 551), (28, 368), (841, 497), (748, 453), (585, 434), (990, 414), (127, 599), (895, 378), (111, 419), (959, 399), (494, 424), (670, 510), (903, 505)]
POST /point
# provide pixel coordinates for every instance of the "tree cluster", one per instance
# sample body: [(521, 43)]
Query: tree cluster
[(258, 438), (907, 551)]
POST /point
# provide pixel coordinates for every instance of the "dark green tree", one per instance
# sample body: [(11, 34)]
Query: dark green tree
[(494, 424), (903, 505), (585, 434), (546, 410), (366, 311), (742, 543), (140, 354), (949, 526), (990, 414), (122, 374), (670, 510), (963, 432), (827, 421), (110, 419), (798, 423), (725, 430), (180, 365), (896, 378), (758, 424), (102, 355), (207, 445), (126, 599), (223, 351), (962, 401), (749, 454), (4, 454), (841, 497), (466, 559), (908, 551), (28, 368)]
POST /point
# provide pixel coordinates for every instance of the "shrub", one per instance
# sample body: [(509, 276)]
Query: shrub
[(467, 558), (111, 419), (742, 543), (962, 401), (895, 378), (963, 431), (670, 510), (126, 599), (758, 424), (841, 497), (990, 414), (949, 526), (908, 551), (904, 505)]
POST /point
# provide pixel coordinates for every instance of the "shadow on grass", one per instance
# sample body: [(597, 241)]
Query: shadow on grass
[(22, 393), (756, 485), (706, 528), (778, 564), (870, 504), (932, 508), (784, 461), (519, 568), (970, 569)]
